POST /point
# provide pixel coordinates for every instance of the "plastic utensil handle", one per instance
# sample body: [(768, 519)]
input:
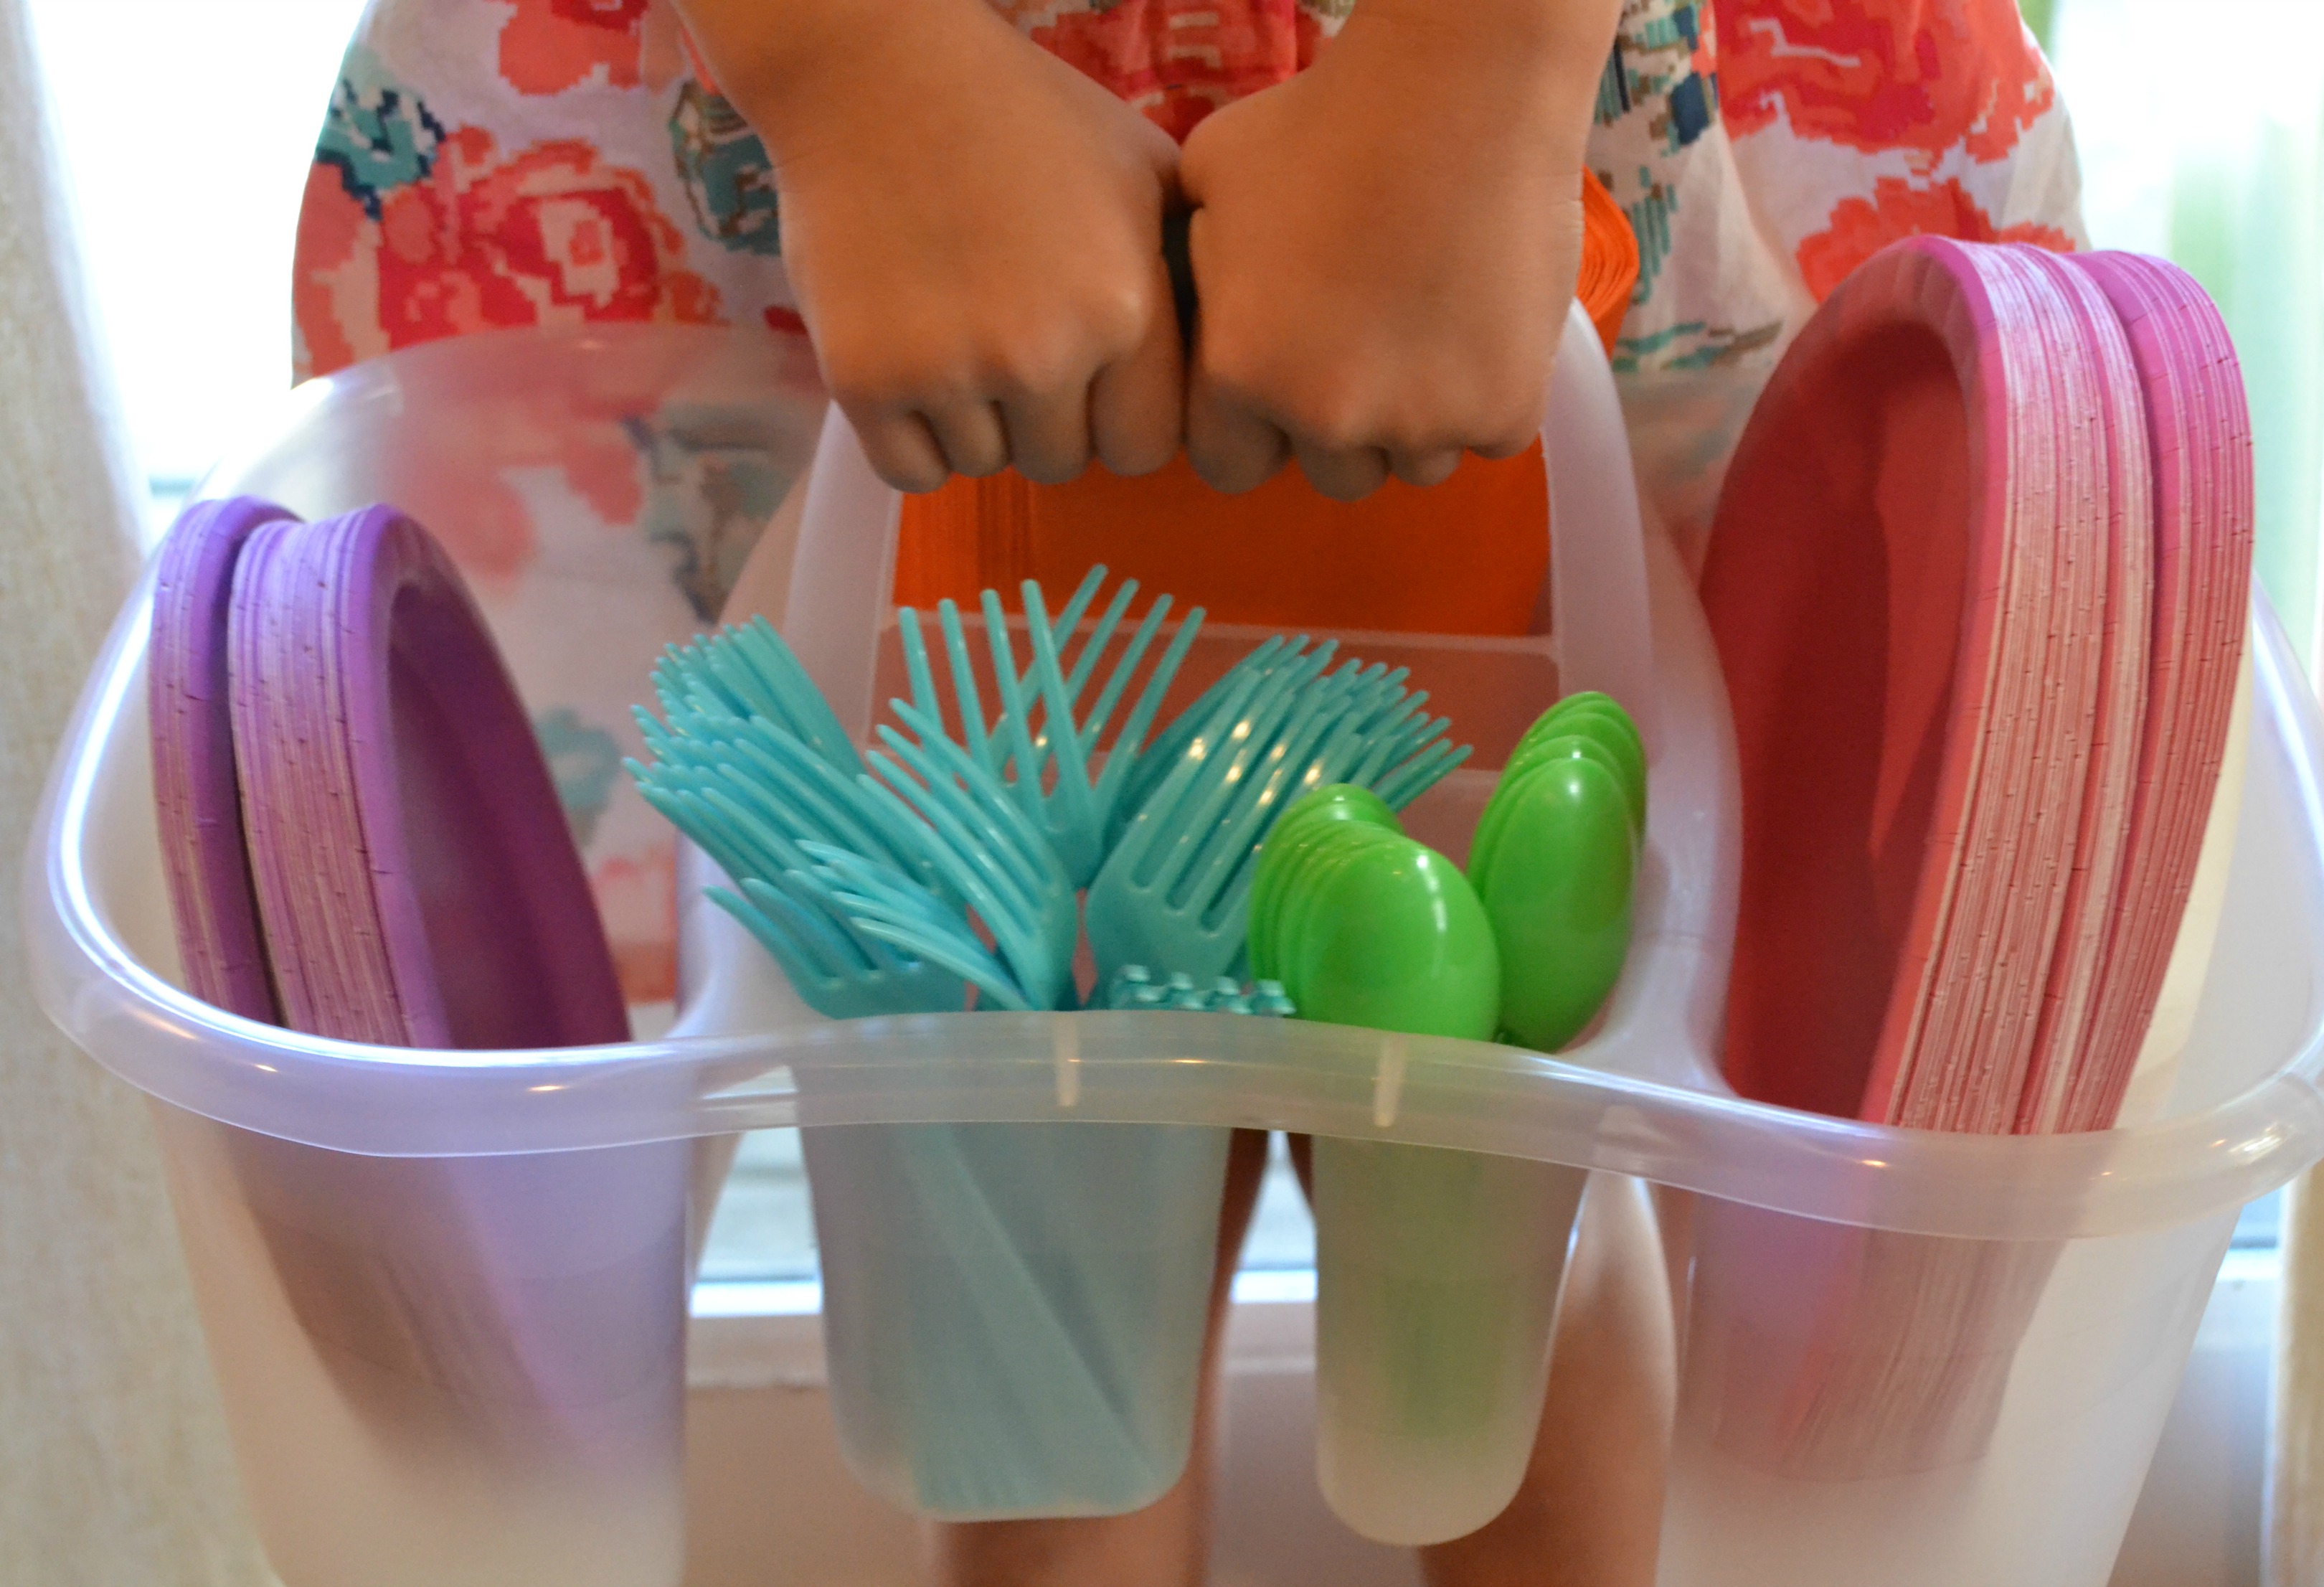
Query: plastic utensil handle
[(1605, 639)]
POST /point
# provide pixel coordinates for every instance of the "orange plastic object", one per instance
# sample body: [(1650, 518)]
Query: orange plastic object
[(1610, 260), (1465, 557)]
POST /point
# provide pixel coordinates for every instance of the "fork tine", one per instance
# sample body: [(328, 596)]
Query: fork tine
[(1319, 713), (707, 698), (767, 849), (1247, 823), (972, 735), (1157, 819), (1092, 725), (1260, 724), (658, 738), (753, 767), (1158, 762), (1077, 604), (1365, 762), (948, 954), (1014, 720), (813, 916), (903, 771), (1408, 739), (814, 891), (981, 795), (669, 677), (1387, 742), (1311, 768), (1393, 704), (677, 808), (1337, 760), (837, 889), (1423, 771), (1037, 922), (915, 662), (896, 889), (722, 659), (762, 650), (1072, 789), (811, 796), (831, 796), (1128, 754), (815, 984), (684, 673), (745, 835), (874, 828), (973, 868), (1092, 649), (877, 893)]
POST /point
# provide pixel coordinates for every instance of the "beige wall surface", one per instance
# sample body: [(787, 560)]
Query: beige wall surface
[(114, 1471)]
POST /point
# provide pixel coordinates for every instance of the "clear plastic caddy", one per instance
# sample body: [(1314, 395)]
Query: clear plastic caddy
[(1910, 1357)]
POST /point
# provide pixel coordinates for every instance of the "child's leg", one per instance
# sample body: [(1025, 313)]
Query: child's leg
[(1589, 1512), (1168, 1543)]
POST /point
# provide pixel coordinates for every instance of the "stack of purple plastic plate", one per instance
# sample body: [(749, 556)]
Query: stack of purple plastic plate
[(363, 842), (363, 839)]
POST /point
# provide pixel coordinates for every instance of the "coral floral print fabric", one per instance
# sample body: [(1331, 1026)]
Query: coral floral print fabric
[(487, 163), (497, 163)]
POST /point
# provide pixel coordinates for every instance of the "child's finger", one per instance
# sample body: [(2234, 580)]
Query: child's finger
[(1424, 468), (1345, 474), (1135, 404), (901, 448), (1049, 434), (974, 440), (1230, 446)]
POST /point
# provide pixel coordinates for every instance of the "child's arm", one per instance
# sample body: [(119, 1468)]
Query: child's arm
[(972, 229), (1386, 243)]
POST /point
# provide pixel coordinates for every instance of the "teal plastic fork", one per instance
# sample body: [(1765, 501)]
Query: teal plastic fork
[(913, 924), (1008, 1359), (783, 785), (746, 672), (804, 921), (1071, 805), (986, 848), (1176, 888)]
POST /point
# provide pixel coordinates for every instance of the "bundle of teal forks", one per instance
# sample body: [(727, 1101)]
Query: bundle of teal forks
[(1014, 1312)]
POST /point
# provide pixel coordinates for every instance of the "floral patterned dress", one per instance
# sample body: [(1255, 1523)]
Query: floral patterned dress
[(488, 163), (498, 162)]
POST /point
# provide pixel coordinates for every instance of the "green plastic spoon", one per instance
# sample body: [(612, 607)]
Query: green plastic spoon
[(1437, 1271), (1621, 734), (1556, 883), (1293, 830), (1597, 717), (1388, 934), (1495, 818), (1304, 884)]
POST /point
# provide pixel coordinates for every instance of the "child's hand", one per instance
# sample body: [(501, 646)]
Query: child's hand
[(973, 232), (1386, 245)]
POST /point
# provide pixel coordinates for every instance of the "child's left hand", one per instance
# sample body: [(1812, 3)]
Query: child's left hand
[(1385, 244)]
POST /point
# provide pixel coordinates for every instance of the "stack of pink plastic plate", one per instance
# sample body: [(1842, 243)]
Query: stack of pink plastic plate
[(1979, 580), (362, 838), (2199, 437)]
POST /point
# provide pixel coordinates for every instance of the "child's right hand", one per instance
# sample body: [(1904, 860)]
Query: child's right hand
[(973, 228)]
